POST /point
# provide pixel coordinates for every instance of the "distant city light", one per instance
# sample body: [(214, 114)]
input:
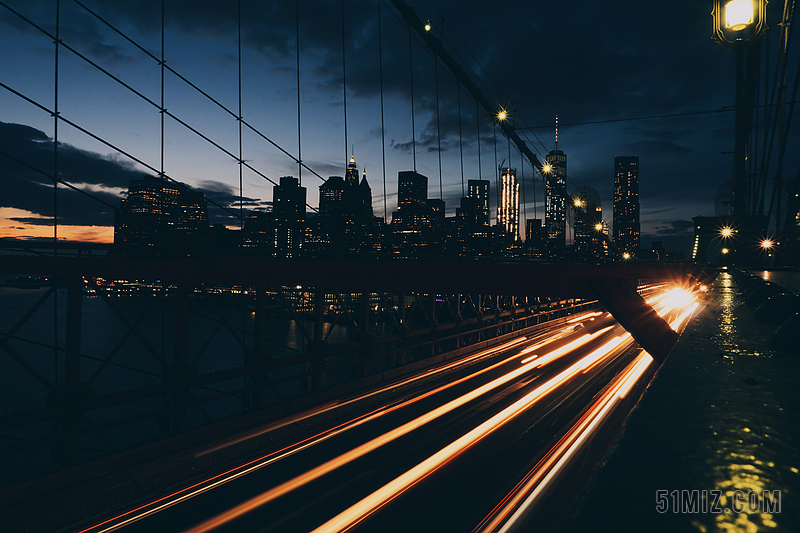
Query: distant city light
[(598, 226), (724, 250), (738, 14), (428, 26), (547, 168), (502, 114), (766, 244), (626, 256), (577, 202), (726, 232)]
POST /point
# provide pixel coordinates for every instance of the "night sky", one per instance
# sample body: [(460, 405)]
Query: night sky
[(583, 61)]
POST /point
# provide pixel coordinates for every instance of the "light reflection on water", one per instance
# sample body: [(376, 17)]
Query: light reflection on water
[(722, 414)]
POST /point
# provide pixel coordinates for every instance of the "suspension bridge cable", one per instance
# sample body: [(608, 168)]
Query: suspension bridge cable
[(239, 118), (438, 121), (344, 85), (162, 62), (57, 43), (460, 139), (59, 180), (112, 146), (477, 77), (175, 73), (299, 138), (160, 108), (478, 127), (383, 127), (411, 79)]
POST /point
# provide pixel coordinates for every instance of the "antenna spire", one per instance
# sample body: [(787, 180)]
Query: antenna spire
[(556, 132)]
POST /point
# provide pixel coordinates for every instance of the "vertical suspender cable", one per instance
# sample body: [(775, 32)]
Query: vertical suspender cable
[(241, 190), (162, 89), (299, 142), (383, 129), (478, 126), (438, 121), (496, 170), (460, 138), (55, 190), (533, 173), (524, 203), (411, 78), (55, 134), (344, 85)]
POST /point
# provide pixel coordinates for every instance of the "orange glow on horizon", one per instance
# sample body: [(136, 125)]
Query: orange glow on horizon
[(14, 229)]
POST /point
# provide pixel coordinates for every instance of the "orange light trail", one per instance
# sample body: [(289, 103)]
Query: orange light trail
[(362, 509), (379, 441), (546, 471), (160, 504)]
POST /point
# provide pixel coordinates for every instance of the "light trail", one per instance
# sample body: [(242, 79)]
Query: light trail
[(555, 354), (175, 498), (370, 504), (381, 440), (538, 480)]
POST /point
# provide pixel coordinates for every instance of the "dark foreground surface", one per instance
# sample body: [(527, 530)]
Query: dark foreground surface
[(722, 416)]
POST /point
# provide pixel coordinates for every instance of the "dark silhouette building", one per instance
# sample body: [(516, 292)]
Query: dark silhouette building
[(626, 204), (534, 238), (479, 191), (289, 212), (160, 217), (555, 209)]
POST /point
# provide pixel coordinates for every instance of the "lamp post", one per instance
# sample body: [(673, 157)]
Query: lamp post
[(737, 24)]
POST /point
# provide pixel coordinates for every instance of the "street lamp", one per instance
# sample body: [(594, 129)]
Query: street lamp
[(598, 226), (502, 114), (726, 232), (767, 244), (737, 23)]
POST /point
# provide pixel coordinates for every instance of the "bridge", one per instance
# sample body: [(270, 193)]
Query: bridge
[(313, 366)]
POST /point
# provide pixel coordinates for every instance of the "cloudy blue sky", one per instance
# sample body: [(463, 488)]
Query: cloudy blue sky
[(587, 62)]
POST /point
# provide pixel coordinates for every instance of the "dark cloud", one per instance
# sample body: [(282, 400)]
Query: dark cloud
[(27, 182), (679, 227)]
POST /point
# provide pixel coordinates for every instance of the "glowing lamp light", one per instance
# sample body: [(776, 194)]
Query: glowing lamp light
[(578, 202), (737, 23), (598, 227), (547, 168), (428, 25), (738, 14), (626, 256), (726, 232), (502, 115), (724, 250), (767, 244)]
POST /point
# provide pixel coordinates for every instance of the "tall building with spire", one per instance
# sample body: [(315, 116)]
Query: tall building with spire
[(555, 212), (508, 207)]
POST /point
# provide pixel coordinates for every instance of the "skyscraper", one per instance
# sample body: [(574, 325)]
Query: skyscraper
[(479, 190), (555, 209), (412, 190), (626, 203), (508, 208), (289, 207), (160, 216)]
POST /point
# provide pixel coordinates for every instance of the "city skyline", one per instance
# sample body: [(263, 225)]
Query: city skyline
[(583, 86)]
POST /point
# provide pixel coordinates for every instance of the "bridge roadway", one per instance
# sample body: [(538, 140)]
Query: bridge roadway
[(476, 444)]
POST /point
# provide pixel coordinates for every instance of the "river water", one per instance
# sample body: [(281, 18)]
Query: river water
[(722, 416)]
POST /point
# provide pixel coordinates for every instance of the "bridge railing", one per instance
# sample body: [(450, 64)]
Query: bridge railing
[(99, 364)]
